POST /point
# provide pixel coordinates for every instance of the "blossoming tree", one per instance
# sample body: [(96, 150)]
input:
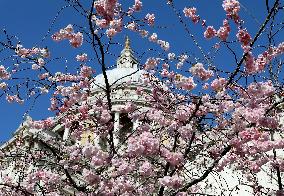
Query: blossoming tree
[(198, 120)]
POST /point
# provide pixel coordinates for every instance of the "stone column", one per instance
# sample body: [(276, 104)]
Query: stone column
[(66, 134)]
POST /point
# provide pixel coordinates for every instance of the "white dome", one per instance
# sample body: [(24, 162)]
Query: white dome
[(125, 72), (119, 76)]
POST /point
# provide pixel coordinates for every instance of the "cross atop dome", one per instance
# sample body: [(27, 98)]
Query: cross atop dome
[(126, 58)]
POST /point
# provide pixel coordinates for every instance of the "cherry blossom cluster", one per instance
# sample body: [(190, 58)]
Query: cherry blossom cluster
[(25, 52), (105, 8), (185, 83), (83, 57), (48, 178), (3, 85), (186, 131), (218, 84), (145, 144), (75, 39), (222, 32), (61, 77), (191, 13), (72, 95), (232, 8), (150, 18), (244, 37), (166, 73), (115, 27), (256, 100), (4, 74), (153, 37), (97, 156), (174, 158), (151, 63), (254, 65), (105, 18), (136, 7), (14, 98), (42, 124), (108, 16), (164, 44), (43, 76), (210, 32), (146, 169), (199, 71), (86, 71), (182, 59), (90, 177), (174, 182), (182, 132)]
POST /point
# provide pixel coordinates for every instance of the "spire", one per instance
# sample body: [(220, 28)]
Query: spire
[(126, 58), (127, 43)]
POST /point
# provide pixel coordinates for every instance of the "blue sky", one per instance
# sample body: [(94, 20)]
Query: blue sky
[(30, 21)]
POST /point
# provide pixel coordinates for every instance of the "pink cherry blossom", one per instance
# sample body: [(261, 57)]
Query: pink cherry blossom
[(157, 131), (218, 84), (90, 177), (151, 63), (173, 158), (146, 169), (3, 86), (191, 13), (150, 19), (232, 8), (143, 33), (14, 98), (145, 143), (224, 31), (164, 45), (243, 37), (137, 5), (132, 26), (111, 32), (210, 32), (75, 39), (40, 61), (174, 182), (186, 131), (153, 37), (185, 83), (42, 124), (198, 70), (4, 75), (25, 52), (83, 57), (43, 76), (171, 56), (105, 8), (35, 66), (86, 71), (250, 66), (102, 23)]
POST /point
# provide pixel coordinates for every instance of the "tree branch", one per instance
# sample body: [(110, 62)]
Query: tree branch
[(206, 173)]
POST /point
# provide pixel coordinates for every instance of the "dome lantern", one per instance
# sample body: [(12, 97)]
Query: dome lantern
[(126, 58)]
